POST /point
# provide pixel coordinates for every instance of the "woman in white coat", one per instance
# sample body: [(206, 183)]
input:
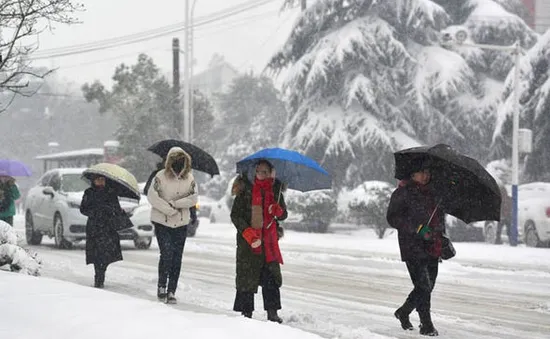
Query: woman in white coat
[(174, 192)]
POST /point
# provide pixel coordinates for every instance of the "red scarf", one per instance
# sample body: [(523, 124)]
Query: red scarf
[(262, 195)]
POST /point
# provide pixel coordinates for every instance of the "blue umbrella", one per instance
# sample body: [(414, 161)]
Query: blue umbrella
[(14, 168), (292, 168)]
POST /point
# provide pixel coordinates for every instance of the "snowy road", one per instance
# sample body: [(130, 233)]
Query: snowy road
[(345, 286)]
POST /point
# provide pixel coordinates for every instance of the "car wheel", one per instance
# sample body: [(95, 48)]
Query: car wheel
[(33, 238), (143, 243), (531, 237), (490, 232), (60, 241)]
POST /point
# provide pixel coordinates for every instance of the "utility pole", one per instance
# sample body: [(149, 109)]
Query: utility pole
[(176, 83), (185, 123), (191, 66), (304, 5), (515, 144)]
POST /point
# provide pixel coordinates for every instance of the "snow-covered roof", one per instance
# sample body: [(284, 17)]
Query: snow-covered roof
[(72, 154), (111, 143), (69, 170)]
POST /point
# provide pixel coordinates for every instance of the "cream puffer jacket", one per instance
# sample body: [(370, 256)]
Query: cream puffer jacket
[(172, 194)]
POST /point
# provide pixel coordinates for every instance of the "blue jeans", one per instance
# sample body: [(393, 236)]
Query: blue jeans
[(171, 242)]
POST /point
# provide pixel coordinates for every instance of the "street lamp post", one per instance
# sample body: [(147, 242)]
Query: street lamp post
[(459, 39), (187, 69), (185, 122), (191, 66)]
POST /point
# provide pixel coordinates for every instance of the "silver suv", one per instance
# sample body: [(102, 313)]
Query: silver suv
[(52, 208)]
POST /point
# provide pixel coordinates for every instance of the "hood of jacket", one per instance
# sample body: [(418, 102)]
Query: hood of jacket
[(174, 154)]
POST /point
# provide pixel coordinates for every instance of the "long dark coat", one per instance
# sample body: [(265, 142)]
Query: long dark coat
[(249, 264), (102, 240), (408, 208)]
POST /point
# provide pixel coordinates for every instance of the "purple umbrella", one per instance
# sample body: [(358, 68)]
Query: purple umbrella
[(14, 168)]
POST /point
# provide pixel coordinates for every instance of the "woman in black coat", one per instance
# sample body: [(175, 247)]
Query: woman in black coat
[(100, 204), (420, 222)]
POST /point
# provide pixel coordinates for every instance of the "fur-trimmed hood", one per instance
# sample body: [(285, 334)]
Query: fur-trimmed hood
[(177, 153), (242, 184)]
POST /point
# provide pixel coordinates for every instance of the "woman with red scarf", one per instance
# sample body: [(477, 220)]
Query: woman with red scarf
[(420, 223), (256, 212)]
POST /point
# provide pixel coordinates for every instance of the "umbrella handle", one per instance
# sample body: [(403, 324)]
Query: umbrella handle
[(433, 213)]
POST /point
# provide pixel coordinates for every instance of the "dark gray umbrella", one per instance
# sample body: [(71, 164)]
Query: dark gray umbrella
[(466, 190), (201, 160)]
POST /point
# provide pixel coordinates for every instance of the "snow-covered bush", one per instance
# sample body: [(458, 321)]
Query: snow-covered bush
[(319, 206), (7, 234), (20, 260), (369, 203)]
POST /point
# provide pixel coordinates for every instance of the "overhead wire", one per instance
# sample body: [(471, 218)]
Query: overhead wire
[(143, 36)]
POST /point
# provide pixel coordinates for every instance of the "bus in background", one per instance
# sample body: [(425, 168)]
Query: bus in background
[(87, 157)]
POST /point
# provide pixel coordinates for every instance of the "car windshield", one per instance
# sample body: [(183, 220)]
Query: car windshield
[(73, 183)]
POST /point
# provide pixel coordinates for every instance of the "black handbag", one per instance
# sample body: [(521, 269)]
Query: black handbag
[(447, 249), (121, 222)]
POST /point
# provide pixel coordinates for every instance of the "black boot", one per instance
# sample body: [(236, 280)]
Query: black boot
[(161, 293), (171, 298), (247, 314), (273, 316), (403, 316), (428, 330), (426, 325), (99, 280)]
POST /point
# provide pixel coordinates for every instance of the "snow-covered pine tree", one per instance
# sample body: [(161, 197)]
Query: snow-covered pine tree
[(534, 111), (347, 82), (366, 77), (472, 112)]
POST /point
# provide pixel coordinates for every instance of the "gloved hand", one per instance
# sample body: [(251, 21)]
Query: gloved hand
[(174, 209), (276, 210), (424, 232), (253, 237)]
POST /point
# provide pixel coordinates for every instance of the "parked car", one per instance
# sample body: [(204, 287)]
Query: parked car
[(534, 213), (221, 210), (204, 206), (52, 208), (458, 230)]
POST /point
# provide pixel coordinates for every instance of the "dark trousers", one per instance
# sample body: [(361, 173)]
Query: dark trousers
[(423, 275), (9, 220), (171, 242), (244, 301), (100, 270), (500, 226)]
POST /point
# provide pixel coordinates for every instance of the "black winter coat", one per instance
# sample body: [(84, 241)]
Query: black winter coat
[(102, 240), (410, 207), (250, 265)]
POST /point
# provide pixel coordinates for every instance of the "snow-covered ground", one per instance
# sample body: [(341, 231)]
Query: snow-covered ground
[(342, 285), (61, 310)]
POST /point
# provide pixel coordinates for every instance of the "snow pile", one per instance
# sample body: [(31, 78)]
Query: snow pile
[(38, 306), (20, 260), (8, 235)]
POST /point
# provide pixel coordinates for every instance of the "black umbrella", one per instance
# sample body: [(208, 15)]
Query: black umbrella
[(466, 190), (201, 160)]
